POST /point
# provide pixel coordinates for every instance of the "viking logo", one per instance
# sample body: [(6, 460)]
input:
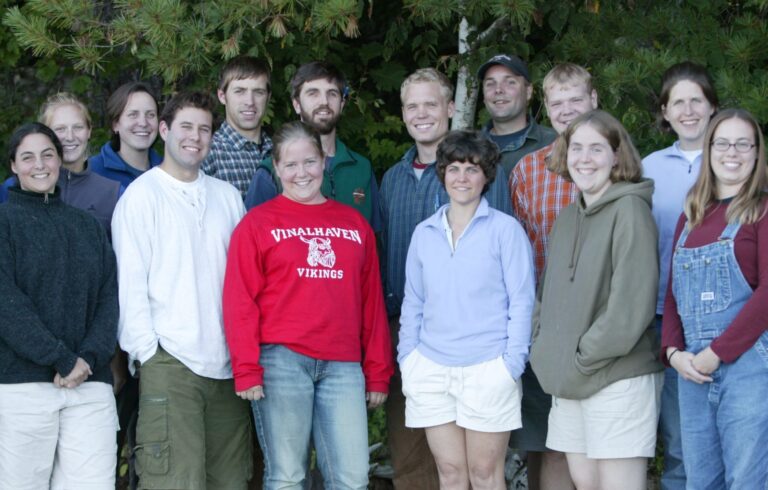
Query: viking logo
[(320, 252)]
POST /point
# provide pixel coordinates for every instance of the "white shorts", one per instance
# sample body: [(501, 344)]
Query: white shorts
[(57, 438), (618, 421), (483, 397)]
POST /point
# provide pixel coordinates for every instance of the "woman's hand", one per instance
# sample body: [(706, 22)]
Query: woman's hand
[(706, 361), (252, 394), (682, 361), (375, 399), (76, 377)]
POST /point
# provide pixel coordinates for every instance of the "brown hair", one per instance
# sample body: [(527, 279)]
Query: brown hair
[(628, 167), (290, 132), (692, 72), (470, 147), (242, 67), (747, 206), (117, 102)]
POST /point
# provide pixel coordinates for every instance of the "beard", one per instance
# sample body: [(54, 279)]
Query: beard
[(325, 126)]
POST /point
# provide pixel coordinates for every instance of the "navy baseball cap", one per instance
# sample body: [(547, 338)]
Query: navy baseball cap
[(515, 65)]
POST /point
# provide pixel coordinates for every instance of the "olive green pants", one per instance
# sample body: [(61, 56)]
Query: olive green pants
[(193, 433)]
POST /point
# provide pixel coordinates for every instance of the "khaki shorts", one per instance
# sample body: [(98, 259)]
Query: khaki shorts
[(618, 421), (482, 397), (193, 432)]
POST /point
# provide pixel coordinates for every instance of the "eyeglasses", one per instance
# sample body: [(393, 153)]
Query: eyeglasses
[(724, 145)]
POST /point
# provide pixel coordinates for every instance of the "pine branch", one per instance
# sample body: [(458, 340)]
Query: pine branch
[(31, 32)]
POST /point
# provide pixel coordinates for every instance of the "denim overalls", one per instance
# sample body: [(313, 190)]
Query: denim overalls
[(724, 423)]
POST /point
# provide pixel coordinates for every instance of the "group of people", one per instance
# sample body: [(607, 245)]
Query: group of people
[(534, 284)]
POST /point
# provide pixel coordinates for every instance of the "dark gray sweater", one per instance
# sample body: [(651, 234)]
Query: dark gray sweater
[(58, 290)]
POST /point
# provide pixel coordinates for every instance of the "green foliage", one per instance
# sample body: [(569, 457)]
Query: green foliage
[(90, 47)]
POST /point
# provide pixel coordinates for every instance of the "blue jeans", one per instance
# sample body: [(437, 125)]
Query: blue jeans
[(305, 398), (673, 477), (724, 423)]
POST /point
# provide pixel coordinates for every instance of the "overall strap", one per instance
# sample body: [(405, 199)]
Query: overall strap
[(683, 235), (729, 233)]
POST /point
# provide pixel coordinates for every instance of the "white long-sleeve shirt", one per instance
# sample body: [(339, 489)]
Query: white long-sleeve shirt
[(170, 239)]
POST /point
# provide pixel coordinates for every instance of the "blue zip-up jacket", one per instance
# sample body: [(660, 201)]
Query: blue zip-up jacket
[(472, 304), (673, 176), (112, 166), (405, 202)]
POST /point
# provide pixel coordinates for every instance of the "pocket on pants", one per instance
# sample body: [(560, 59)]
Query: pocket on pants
[(153, 450)]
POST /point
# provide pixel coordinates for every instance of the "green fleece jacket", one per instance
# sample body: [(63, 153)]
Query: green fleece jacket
[(594, 313)]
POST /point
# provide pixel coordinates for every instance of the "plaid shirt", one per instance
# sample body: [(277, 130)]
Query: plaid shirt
[(538, 195), (233, 158), (405, 202)]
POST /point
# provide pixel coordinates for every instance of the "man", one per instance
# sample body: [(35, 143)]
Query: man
[(240, 144), (411, 192), (171, 230), (538, 195), (318, 94), (507, 90)]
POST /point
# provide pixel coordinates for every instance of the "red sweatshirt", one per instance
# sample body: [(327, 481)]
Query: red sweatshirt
[(751, 250), (306, 277)]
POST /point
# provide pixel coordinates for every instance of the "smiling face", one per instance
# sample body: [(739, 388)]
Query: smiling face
[(245, 103), (590, 160), (187, 142), (506, 95), (36, 164), (137, 124), (464, 182), (731, 167), (300, 170), (319, 104), (688, 112), (566, 102), (70, 125), (426, 112)]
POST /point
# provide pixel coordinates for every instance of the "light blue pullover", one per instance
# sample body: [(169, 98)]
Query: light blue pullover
[(673, 176), (472, 304)]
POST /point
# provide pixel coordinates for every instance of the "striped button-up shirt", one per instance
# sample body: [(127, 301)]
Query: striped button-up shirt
[(234, 158), (538, 195), (405, 202)]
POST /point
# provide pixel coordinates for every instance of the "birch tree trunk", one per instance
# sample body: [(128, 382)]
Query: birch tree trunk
[(466, 85)]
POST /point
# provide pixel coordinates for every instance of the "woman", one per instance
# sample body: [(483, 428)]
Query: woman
[(58, 334), (465, 320), (687, 102), (593, 339), (305, 322), (79, 186), (132, 111), (715, 331)]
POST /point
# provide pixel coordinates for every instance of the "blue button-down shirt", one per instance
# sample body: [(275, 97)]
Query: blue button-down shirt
[(405, 202), (233, 157)]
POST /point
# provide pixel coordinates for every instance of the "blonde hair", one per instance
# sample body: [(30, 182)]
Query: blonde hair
[(747, 206), (424, 75), (57, 100), (567, 74), (628, 167)]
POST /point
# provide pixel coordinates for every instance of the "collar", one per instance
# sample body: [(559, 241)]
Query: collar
[(436, 220), (237, 140)]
